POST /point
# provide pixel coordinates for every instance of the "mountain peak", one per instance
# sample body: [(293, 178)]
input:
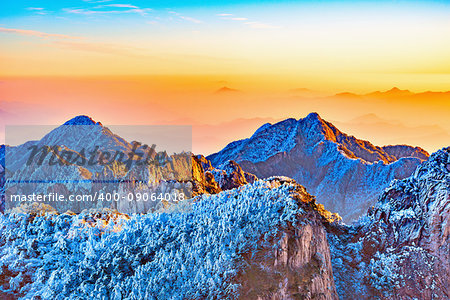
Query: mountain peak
[(226, 89), (82, 120), (397, 90), (314, 120), (313, 116), (394, 92)]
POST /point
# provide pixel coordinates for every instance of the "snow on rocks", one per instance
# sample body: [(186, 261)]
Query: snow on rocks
[(211, 250), (344, 173), (402, 247)]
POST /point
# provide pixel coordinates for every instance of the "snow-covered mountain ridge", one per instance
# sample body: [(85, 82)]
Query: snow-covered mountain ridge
[(271, 139), (344, 173)]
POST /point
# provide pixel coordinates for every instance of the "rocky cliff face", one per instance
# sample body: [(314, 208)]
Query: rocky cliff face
[(210, 180), (401, 250), (346, 174), (204, 182), (298, 268)]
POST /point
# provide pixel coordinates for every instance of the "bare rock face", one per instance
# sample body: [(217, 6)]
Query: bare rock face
[(299, 268), (401, 250), (204, 181), (346, 174), (296, 263), (212, 180), (205, 163)]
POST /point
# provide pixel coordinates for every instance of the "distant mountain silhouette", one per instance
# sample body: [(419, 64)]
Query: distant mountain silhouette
[(394, 92), (225, 89), (305, 92), (371, 125)]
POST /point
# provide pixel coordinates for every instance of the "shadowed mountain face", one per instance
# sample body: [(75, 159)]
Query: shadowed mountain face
[(346, 174), (401, 151)]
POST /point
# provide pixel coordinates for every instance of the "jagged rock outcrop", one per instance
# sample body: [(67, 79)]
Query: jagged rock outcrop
[(204, 181), (346, 174), (401, 249), (230, 175), (210, 180)]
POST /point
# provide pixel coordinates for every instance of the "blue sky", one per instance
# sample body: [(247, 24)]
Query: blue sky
[(24, 8), (139, 37)]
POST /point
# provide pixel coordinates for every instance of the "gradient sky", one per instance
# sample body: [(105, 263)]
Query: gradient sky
[(309, 39), (159, 61)]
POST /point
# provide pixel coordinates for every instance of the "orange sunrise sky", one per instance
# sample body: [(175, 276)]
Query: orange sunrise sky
[(144, 62)]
